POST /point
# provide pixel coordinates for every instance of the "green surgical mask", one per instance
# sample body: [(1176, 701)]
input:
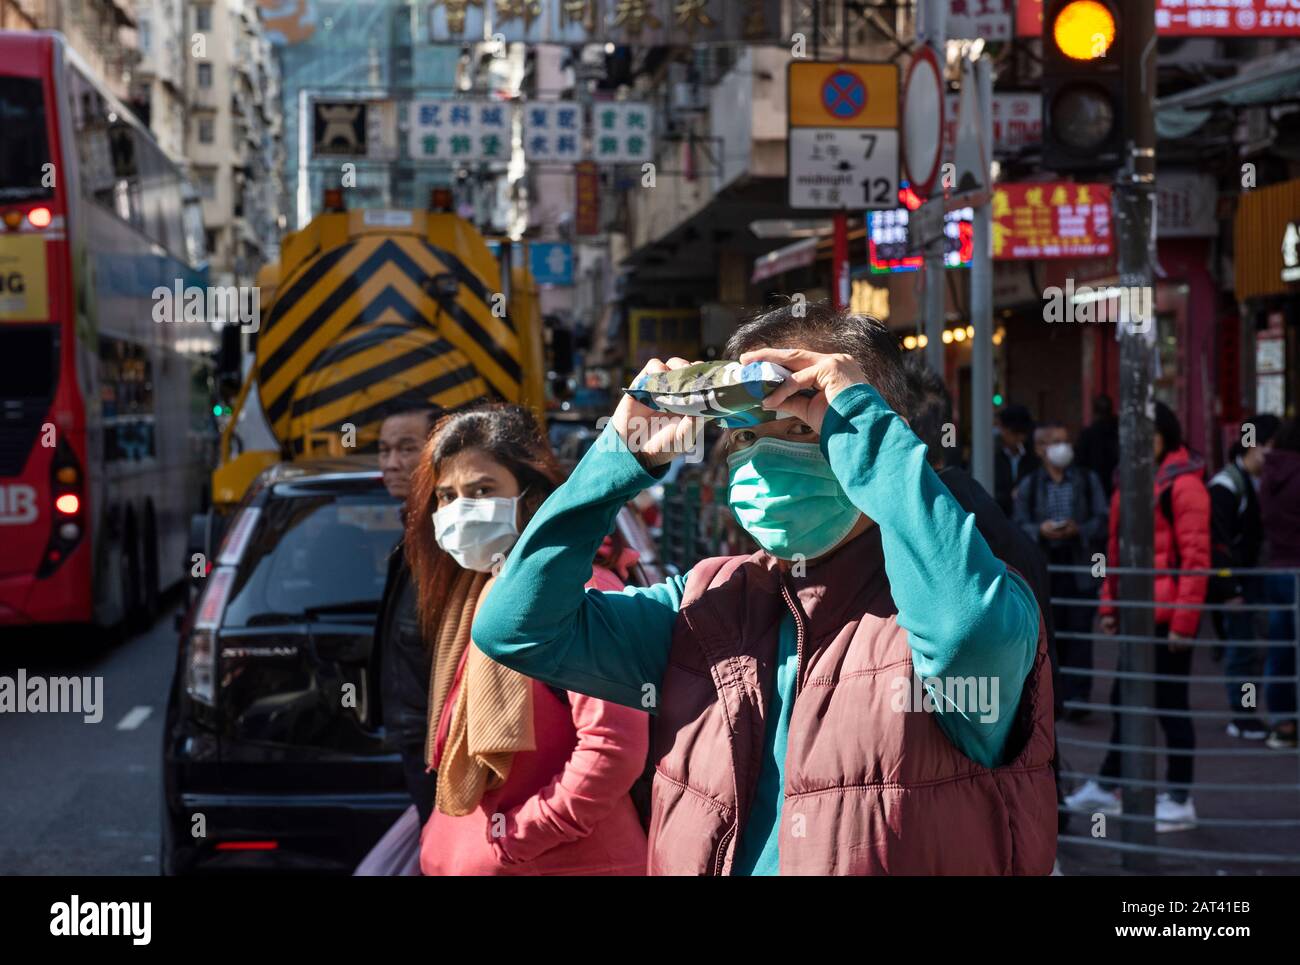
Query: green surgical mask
[(785, 495)]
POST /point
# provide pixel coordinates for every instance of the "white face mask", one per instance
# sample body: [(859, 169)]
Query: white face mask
[(478, 533), (1060, 454)]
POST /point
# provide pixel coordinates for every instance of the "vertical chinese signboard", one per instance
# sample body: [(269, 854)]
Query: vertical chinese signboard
[(586, 216), (1051, 220)]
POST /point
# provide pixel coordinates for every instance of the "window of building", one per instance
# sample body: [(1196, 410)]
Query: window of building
[(206, 130), (205, 75), (203, 16), (207, 178)]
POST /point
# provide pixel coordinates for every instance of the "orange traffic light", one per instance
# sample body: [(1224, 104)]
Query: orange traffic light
[(1084, 30)]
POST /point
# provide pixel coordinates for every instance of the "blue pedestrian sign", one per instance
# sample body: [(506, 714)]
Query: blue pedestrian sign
[(551, 262)]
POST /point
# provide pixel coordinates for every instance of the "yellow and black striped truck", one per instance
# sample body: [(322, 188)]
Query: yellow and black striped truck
[(368, 306)]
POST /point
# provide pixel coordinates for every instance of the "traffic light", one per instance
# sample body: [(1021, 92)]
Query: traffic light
[(1083, 85)]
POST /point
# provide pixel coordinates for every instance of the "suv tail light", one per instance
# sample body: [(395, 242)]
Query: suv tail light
[(201, 659)]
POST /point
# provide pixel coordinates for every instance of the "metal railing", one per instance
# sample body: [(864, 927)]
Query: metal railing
[(1239, 778)]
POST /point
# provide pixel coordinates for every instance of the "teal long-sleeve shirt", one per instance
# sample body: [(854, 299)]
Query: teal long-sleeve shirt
[(964, 612)]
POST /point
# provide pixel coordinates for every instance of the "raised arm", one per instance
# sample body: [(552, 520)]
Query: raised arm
[(539, 619)]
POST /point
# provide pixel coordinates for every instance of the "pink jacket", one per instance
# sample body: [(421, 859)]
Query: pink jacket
[(565, 808)]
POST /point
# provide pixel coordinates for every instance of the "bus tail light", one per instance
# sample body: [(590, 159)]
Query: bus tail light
[(201, 658), (68, 523), (40, 217)]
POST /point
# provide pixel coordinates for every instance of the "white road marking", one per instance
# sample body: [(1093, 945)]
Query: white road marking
[(134, 717)]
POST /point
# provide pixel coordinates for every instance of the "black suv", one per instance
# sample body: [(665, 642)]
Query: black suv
[(274, 754)]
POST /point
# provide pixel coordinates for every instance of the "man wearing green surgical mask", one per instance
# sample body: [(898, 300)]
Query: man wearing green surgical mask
[(868, 694)]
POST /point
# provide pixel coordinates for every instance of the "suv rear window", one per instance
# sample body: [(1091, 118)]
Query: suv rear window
[(24, 150), (315, 556)]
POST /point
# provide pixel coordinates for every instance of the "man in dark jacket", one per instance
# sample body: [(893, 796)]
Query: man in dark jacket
[(1279, 508), (1013, 460), (1062, 508), (1236, 538), (404, 658), (1098, 447)]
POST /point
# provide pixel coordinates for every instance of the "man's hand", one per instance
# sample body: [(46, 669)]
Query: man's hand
[(827, 375), (1177, 642), (655, 437), (1048, 529), (1109, 625)]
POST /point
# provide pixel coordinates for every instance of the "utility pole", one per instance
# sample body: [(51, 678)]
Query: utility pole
[(931, 29), (981, 289), (1135, 229)]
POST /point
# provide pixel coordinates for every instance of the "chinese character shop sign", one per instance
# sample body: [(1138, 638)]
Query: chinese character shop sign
[(620, 132), (553, 131), (1051, 220), (460, 130), (843, 138)]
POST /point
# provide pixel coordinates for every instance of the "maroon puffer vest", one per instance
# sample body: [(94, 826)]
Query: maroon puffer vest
[(868, 789)]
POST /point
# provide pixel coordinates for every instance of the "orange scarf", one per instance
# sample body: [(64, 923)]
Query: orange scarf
[(492, 717)]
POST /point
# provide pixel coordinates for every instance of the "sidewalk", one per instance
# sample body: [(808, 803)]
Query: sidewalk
[(1276, 767)]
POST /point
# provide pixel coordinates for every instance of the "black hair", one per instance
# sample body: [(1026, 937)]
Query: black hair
[(1016, 418), (820, 328), (1102, 407), (931, 405), (1266, 428), (1169, 428), (411, 403), (1288, 436)]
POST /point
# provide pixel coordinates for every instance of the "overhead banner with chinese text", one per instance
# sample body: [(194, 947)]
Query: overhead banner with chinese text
[(646, 23), (1051, 220)]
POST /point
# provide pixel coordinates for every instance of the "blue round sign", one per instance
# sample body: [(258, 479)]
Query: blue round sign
[(844, 95)]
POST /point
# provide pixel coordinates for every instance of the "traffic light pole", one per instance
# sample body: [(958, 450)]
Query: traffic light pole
[(1135, 229), (932, 30), (981, 294)]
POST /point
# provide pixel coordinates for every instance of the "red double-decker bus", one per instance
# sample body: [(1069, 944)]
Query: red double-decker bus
[(106, 425)]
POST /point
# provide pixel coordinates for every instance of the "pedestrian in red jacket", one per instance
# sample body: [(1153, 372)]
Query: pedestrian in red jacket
[(1182, 541)]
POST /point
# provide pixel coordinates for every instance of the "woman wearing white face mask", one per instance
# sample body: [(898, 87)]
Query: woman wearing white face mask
[(531, 780)]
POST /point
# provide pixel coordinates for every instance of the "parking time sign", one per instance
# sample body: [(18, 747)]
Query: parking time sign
[(842, 144)]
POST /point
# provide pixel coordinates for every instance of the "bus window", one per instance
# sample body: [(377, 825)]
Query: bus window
[(24, 151)]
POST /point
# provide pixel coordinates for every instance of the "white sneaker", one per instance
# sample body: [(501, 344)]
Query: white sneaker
[(1172, 816), (1093, 797)]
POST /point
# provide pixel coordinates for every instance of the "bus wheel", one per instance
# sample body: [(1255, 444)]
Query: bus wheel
[(149, 595), (129, 549)]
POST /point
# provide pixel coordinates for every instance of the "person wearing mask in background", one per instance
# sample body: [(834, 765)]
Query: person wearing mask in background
[(1062, 508), (931, 419), (1236, 540), (402, 654), (1182, 541), (1098, 447), (530, 780), (1012, 459), (1279, 506), (789, 734)]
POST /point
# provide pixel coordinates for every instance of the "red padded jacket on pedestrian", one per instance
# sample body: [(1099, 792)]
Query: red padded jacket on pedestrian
[(1184, 545), (869, 789)]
